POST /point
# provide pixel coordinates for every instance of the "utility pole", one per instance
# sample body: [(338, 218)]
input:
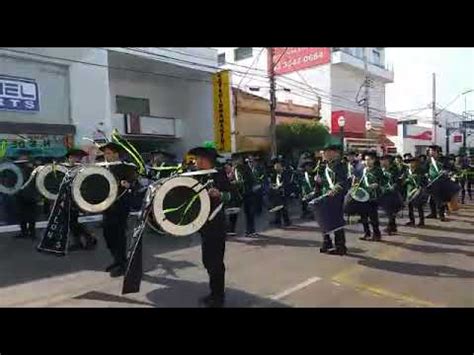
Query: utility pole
[(366, 86), (435, 123), (272, 102)]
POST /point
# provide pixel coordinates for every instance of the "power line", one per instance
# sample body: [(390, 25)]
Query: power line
[(253, 63)]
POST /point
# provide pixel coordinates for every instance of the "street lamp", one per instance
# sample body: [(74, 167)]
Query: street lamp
[(341, 122)]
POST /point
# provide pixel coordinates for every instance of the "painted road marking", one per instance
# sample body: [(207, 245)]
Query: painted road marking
[(294, 289)]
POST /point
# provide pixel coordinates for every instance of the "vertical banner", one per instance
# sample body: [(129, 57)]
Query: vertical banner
[(222, 111)]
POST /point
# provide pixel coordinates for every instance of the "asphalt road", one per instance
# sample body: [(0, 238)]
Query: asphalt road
[(428, 267)]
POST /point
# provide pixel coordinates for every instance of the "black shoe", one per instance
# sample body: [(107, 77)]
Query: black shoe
[(75, 247), (287, 224), (91, 243), (117, 271), (325, 248), (111, 266), (338, 251), (431, 216), (377, 237), (212, 302), (410, 224), (366, 237), (421, 224), (443, 219)]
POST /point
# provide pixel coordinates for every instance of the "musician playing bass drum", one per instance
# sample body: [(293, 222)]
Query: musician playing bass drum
[(213, 233), (461, 168), (416, 179), (372, 182), (116, 216), (333, 181), (73, 158), (435, 168)]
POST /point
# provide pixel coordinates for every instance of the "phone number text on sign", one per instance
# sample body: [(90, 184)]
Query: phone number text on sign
[(294, 59)]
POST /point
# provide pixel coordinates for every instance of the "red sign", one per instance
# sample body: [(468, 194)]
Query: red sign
[(457, 139), (424, 136), (292, 59)]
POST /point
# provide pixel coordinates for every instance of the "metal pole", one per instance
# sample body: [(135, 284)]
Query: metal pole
[(366, 86), (447, 139), (272, 102), (341, 131), (433, 109)]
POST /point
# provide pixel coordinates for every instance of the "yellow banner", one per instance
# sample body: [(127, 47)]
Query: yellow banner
[(222, 111)]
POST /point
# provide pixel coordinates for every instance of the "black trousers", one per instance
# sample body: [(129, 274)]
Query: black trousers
[(27, 213), (115, 228), (339, 239), (283, 214), (372, 217), (437, 207), (249, 211), (77, 229), (213, 250), (392, 221), (411, 213)]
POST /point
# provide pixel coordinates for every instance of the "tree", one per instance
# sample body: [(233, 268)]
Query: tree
[(296, 138)]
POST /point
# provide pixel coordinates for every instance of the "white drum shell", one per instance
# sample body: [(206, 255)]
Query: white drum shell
[(19, 175), (41, 176)]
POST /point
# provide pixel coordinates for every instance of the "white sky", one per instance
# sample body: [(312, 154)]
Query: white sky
[(413, 67)]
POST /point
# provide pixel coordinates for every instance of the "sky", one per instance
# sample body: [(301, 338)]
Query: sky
[(413, 68)]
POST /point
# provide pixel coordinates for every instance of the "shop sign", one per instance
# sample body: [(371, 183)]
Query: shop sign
[(19, 94)]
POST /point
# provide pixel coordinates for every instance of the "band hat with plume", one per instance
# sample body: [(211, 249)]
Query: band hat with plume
[(206, 150)]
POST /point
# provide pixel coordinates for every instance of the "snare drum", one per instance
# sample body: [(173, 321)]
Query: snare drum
[(49, 178)]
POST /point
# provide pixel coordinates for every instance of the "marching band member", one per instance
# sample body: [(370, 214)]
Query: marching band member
[(74, 157), (371, 180), (461, 167), (416, 178), (260, 177), (245, 182), (389, 179), (306, 183), (27, 198), (213, 232), (116, 216), (281, 181), (435, 168), (334, 182)]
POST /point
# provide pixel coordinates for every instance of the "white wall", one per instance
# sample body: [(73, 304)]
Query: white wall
[(88, 83), (188, 101)]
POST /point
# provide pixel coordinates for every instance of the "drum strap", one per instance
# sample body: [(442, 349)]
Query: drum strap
[(434, 164), (328, 177), (364, 177), (306, 176)]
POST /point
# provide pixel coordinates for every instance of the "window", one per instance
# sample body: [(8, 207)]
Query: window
[(376, 57), (221, 59), (134, 105), (242, 53)]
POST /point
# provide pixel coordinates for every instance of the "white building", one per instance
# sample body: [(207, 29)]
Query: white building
[(335, 75), (149, 94)]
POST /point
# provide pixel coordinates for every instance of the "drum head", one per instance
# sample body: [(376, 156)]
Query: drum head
[(49, 180), (94, 189), (181, 206), (360, 195), (11, 178)]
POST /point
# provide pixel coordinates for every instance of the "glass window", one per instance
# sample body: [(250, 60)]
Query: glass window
[(376, 57), (134, 105), (221, 59), (242, 53), (359, 52)]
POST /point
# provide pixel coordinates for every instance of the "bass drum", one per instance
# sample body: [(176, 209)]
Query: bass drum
[(11, 178), (49, 179), (356, 201), (444, 189), (328, 212), (94, 188), (181, 205), (391, 201)]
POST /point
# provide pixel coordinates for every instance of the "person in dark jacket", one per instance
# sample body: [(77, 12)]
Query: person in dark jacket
[(282, 188), (27, 198), (213, 233), (436, 164), (116, 216)]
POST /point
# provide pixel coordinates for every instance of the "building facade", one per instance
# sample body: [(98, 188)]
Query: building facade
[(333, 77), (148, 94)]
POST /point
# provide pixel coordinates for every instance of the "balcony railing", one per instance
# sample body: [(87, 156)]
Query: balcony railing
[(344, 50)]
